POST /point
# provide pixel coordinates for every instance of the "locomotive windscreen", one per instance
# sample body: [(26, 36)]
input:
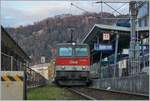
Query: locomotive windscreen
[(65, 51), (80, 51), (76, 51)]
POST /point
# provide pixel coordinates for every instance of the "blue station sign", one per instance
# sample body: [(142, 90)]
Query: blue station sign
[(103, 47)]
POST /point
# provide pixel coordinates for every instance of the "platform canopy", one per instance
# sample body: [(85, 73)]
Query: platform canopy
[(95, 35)]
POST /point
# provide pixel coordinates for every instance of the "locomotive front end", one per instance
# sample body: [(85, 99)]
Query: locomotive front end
[(72, 65)]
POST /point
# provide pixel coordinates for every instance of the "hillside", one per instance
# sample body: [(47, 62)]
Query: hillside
[(38, 39)]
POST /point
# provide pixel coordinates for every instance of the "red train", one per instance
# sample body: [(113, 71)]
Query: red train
[(72, 65)]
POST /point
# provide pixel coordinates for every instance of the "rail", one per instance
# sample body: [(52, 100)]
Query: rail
[(98, 94), (87, 97)]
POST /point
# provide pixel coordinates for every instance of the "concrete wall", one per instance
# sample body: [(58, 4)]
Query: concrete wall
[(138, 84), (12, 89)]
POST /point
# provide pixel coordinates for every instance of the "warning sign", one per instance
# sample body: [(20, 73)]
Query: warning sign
[(42, 59), (106, 36)]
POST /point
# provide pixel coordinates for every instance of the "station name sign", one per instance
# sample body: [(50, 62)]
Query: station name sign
[(103, 47)]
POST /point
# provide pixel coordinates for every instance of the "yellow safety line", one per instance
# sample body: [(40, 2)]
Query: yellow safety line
[(8, 81), (16, 77), (5, 77)]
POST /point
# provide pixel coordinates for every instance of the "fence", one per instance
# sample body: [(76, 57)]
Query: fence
[(122, 69), (138, 84), (10, 63)]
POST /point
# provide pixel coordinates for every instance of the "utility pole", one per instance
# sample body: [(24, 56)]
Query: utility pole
[(71, 32), (133, 54), (100, 68), (116, 53), (71, 35)]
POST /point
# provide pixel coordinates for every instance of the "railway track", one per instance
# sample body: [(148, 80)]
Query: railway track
[(96, 94), (87, 97)]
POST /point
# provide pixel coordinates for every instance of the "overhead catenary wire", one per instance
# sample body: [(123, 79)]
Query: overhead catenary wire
[(114, 10), (123, 5), (79, 8), (101, 10)]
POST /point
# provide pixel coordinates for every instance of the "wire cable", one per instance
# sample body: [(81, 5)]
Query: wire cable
[(113, 8), (120, 7)]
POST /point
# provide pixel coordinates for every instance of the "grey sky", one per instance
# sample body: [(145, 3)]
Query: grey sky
[(16, 13)]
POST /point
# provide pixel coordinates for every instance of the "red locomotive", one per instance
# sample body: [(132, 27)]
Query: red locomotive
[(72, 64)]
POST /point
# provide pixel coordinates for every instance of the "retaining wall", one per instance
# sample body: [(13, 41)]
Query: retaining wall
[(138, 84)]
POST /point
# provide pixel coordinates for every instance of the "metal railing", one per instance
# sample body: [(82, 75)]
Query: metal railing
[(10, 63), (107, 70)]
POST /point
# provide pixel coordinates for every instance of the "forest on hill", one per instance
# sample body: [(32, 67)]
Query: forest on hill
[(39, 38)]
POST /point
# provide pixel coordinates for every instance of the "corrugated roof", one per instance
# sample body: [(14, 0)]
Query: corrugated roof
[(7, 39)]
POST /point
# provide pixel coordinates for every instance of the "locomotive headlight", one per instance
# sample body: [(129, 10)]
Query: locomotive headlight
[(73, 43), (63, 67), (83, 67)]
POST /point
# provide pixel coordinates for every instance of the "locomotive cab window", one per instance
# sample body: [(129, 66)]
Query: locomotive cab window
[(81, 51), (65, 51)]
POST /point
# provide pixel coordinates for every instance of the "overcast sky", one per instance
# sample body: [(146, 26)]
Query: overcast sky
[(16, 13)]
